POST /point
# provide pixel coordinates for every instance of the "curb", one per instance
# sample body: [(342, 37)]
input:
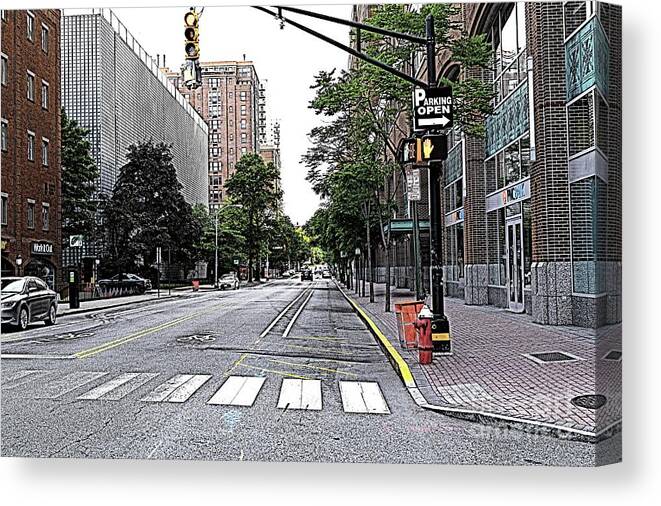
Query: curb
[(483, 417), (73, 312)]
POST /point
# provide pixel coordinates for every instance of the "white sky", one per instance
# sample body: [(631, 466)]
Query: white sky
[(286, 60)]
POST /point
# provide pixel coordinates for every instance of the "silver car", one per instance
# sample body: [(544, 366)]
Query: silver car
[(228, 281), (26, 300)]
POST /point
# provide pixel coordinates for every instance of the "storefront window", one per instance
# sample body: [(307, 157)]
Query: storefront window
[(527, 243), (497, 254), (509, 165), (455, 251), (508, 37)]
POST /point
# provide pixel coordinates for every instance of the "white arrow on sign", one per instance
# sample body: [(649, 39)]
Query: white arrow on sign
[(442, 121)]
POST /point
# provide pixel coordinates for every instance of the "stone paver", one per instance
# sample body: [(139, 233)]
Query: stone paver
[(489, 370)]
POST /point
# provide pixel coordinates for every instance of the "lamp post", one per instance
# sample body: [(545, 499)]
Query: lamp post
[(97, 261), (218, 210), (19, 262)]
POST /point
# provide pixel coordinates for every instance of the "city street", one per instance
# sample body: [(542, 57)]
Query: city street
[(285, 371)]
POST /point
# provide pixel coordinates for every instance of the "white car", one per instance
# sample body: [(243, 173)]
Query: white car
[(228, 281)]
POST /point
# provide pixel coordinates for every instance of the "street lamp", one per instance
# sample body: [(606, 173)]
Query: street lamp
[(218, 210), (97, 261), (19, 262)]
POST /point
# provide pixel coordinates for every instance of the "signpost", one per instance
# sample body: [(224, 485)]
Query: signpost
[(158, 269), (432, 108)]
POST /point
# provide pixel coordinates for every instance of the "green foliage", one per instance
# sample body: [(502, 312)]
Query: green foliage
[(147, 210), (79, 175)]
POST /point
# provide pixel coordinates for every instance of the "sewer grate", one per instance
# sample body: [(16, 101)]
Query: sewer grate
[(592, 401), (615, 355), (551, 356)]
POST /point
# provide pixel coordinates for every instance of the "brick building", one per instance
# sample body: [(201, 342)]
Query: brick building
[(532, 211), (231, 101), (30, 142)]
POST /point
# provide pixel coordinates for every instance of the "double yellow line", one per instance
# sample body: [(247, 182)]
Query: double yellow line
[(123, 340)]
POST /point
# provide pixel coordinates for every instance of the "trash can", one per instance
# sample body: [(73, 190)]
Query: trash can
[(407, 314)]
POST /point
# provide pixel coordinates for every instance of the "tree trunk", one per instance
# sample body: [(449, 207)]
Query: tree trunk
[(250, 269), (387, 305)]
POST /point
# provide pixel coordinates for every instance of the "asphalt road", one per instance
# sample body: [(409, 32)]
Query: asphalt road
[(302, 380)]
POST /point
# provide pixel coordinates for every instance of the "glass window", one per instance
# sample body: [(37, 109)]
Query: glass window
[(45, 216), (4, 210), (512, 164), (44, 38), (243, 96), (30, 90), (44, 152), (521, 24), (30, 217), (30, 26), (44, 95), (497, 255), (508, 39), (4, 70), (4, 135), (3, 13), (30, 146), (244, 124), (243, 110)]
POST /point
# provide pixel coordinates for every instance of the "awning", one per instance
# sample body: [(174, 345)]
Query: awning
[(405, 226)]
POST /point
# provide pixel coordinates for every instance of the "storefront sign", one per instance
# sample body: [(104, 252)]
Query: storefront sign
[(42, 248), (516, 193)]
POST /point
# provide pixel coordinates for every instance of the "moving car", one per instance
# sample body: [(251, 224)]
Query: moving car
[(228, 281), (326, 274), (26, 300), (128, 282), (306, 274)]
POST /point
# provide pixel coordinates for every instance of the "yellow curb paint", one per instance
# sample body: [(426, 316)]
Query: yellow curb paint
[(404, 371)]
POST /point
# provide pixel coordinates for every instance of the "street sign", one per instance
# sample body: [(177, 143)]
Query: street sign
[(413, 183), (236, 261), (76, 241), (432, 108), (158, 256)]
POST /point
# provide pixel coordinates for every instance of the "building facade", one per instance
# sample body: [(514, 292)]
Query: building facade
[(30, 142), (231, 101), (114, 88), (532, 210)]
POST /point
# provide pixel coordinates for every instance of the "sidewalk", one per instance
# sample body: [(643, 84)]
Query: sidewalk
[(100, 304), (490, 375)]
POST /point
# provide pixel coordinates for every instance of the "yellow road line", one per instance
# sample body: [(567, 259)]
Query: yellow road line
[(320, 338), (123, 340), (311, 367), (348, 353), (236, 364), (281, 373)]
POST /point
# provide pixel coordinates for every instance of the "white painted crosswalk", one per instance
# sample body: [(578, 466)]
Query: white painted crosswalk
[(360, 397)]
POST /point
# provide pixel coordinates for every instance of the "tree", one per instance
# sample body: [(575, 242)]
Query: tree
[(79, 176), (147, 210), (255, 186), (350, 162)]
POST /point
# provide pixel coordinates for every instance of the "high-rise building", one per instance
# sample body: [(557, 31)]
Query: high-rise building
[(114, 88), (30, 144), (231, 100)]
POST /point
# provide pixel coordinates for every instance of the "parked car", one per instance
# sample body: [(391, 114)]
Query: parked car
[(228, 281), (26, 300), (128, 282), (326, 274), (306, 274)]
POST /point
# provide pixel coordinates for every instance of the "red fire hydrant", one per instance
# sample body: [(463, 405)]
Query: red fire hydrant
[(423, 325)]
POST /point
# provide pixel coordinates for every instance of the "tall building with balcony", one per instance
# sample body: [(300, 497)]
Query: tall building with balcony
[(30, 143), (532, 210), (231, 101), (114, 89)]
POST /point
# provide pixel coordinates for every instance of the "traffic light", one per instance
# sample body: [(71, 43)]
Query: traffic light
[(192, 35)]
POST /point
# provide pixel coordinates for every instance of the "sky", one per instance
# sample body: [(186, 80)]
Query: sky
[(286, 61)]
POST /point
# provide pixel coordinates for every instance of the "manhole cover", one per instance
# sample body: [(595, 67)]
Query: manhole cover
[(615, 355), (593, 401), (552, 356)]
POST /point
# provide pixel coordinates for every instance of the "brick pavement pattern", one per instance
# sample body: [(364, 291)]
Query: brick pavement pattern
[(490, 369)]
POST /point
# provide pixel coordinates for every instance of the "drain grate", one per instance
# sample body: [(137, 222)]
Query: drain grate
[(615, 355), (592, 401), (551, 357)]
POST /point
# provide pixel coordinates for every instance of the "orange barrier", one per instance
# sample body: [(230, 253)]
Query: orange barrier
[(407, 314), (196, 285)]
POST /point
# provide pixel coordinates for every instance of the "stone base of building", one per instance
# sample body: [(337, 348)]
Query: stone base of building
[(454, 289), (476, 291)]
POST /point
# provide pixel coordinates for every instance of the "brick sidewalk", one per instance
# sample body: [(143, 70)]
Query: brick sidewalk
[(490, 372)]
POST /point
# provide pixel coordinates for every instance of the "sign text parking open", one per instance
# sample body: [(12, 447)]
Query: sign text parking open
[(432, 108)]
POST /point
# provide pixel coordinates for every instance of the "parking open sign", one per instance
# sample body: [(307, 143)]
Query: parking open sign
[(432, 108)]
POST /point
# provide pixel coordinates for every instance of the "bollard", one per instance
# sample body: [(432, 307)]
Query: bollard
[(423, 327)]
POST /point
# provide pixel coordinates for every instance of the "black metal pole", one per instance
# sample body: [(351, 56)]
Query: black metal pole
[(440, 325)]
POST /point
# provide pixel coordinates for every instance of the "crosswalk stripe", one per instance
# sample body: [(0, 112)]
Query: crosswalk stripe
[(362, 397), (238, 391), (178, 388), (300, 394), (112, 390), (14, 380), (68, 383)]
